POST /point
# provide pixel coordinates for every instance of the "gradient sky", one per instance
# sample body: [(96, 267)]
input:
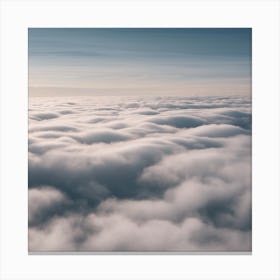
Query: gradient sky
[(139, 61)]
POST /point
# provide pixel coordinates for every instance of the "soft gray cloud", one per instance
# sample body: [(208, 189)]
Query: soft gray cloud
[(172, 173), (44, 201)]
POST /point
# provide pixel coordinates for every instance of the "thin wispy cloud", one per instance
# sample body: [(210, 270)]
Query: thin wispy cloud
[(137, 61)]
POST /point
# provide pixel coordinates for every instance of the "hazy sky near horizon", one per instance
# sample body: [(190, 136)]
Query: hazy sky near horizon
[(139, 61)]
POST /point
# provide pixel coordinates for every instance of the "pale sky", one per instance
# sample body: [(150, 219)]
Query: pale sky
[(139, 61)]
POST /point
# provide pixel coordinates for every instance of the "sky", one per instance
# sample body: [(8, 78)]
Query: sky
[(139, 61)]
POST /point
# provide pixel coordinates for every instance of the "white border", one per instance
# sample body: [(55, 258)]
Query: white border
[(262, 16)]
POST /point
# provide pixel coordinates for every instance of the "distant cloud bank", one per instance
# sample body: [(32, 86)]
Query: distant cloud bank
[(140, 174)]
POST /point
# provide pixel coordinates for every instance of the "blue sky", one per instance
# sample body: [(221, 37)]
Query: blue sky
[(139, 61)]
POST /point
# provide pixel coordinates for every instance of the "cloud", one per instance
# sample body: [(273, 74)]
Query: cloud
[(44, 116), (178, 121), (102, 135), (219, 130), (172, 173), (118, 233), (44, 201)]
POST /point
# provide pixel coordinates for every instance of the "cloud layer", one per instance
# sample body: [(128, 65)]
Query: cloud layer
[(140, 174)]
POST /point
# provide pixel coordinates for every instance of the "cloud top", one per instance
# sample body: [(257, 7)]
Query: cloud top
[(140, 174)]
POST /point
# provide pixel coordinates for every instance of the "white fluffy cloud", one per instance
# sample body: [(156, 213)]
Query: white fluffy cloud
[(140, 174)]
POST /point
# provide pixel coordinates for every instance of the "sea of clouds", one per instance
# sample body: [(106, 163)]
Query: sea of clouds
[(139, 174)]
